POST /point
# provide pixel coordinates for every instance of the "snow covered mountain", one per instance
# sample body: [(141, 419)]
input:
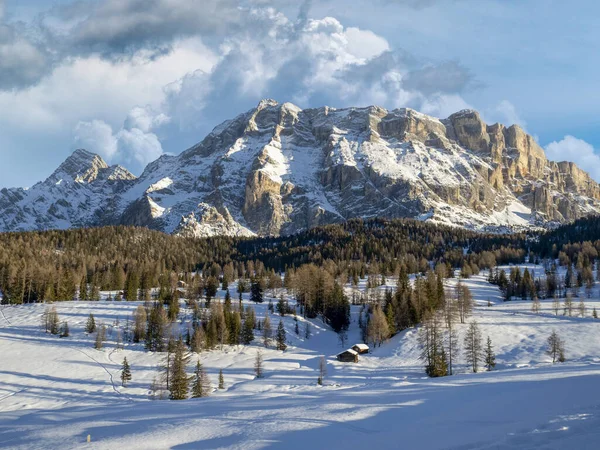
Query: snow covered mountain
[(277, 169)]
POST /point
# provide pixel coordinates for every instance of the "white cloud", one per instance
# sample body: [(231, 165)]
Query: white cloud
[(505, 113), (97, 137), (138, 148), (578, 151), (133, 146)]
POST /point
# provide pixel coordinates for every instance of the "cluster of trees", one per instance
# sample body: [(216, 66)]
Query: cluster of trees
[(78, 264), (51, 323)]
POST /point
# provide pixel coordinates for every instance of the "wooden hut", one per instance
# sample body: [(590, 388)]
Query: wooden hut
[(360, 348), (347, 356)]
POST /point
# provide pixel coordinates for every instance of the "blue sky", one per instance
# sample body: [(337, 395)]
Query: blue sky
[(132, 79)]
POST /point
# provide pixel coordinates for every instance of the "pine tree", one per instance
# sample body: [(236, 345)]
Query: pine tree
[(125, 373), (280, 337), (90, 326), (156, 328), (377, 330), (221, 379), (473, 346), (178, 377), (256, 291), (201, 386), (258, 365), (247, 330), (489, 357)]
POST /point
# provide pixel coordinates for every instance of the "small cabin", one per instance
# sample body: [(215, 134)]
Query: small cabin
[(348, 356), (360, 348)]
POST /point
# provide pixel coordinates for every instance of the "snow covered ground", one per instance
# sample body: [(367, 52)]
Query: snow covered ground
[(55, 392)]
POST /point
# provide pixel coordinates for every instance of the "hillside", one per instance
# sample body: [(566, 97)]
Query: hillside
[(278, 169), (384, 400)]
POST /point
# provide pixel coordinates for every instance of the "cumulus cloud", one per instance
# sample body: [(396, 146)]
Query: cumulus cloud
[(134, 145), (96, 136), (578, 151), (321, 62)]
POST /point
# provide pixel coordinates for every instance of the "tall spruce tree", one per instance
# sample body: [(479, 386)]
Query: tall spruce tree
[(178, 377), (201, 386), (473, 346), (280, 337), (490, 356), (90, 326), (125, 373)]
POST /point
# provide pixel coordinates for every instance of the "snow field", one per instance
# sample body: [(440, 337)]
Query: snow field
[(55, 392)]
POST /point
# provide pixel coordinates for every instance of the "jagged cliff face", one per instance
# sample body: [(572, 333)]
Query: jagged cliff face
[(278, 169)]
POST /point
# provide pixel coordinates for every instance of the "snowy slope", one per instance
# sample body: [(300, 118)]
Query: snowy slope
[(55, 392)]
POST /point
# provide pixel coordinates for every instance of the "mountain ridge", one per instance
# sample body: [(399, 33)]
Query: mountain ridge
[(278, 169)]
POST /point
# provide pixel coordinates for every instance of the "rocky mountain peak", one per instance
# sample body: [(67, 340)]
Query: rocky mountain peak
[(278, 169), (82, 166)]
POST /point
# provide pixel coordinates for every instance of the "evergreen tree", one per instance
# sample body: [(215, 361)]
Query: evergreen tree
[(489, 357), (201, 386), (125, 373), (280, 337), (90, 326), (178, 376), (248, 331), (282, 306), (256, 291), (131, 286), (473, 346), (156, 328)]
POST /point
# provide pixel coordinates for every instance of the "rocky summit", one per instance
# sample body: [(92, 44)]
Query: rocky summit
[(278, 169)]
